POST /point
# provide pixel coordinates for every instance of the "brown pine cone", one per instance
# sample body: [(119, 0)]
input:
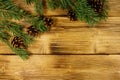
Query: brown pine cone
[(72, 15), (97, 5), (48, 21), (17, 42), (32, 31)]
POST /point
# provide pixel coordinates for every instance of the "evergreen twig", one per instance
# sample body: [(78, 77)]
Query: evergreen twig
[(9, 10), (83, 11)]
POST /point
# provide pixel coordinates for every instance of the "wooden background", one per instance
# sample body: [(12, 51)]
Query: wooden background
[(70, 51)]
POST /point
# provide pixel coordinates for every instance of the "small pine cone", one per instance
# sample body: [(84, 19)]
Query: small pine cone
[(32, 31), (97, 5), (72, 15), (48, 21), (17, 42)]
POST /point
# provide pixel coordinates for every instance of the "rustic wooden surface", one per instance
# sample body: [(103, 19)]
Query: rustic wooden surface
[(70, 51)]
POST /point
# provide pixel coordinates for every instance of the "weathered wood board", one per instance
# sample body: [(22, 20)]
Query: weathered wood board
[(70, 51), (77, 38), (61, 67)]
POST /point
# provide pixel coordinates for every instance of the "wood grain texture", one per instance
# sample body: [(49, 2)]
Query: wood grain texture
[(82, 50), (108, 40), (60, 67)]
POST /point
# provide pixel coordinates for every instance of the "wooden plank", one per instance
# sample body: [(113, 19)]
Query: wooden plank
[(76, 38), (62, 67), (113, 12), (72, 41)]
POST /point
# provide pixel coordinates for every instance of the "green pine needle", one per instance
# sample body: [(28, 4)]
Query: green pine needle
[(29, 1), (9, 10), (39, 7)]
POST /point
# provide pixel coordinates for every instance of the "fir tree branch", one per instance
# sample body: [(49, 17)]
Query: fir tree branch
[(19, 51), (52, 4), (9, 10), (38, 23), (39, 6), (16, 29), (83, 11), (5, 37)]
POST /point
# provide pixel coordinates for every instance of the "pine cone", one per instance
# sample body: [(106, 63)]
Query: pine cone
[(97, 5), (17, 42), (72, 15), (48, 21), (32, 31)]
